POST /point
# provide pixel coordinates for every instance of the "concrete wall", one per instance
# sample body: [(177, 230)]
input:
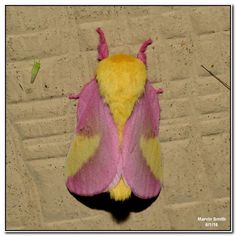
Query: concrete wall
[(195, 116)]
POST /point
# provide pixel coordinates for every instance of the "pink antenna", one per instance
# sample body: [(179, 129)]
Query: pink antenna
[(141, 54), (102, 46)]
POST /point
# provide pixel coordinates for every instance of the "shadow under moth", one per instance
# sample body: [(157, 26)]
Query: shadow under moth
[(115, 148)]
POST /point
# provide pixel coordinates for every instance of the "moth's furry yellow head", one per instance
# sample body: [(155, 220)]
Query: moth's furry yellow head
[(121, 80)]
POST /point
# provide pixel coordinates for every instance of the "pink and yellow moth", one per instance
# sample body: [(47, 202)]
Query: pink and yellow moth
[(115, 147)]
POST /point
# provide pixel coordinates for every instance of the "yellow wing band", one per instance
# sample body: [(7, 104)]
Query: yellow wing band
[(151, 152), (82, 148)]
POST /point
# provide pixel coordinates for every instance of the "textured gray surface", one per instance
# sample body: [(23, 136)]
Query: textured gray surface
[(195, 116)]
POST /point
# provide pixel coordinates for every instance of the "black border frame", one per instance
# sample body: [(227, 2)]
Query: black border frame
[(231, 230)]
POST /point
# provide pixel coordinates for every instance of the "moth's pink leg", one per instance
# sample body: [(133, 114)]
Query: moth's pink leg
[(159, 90), (74, 96)]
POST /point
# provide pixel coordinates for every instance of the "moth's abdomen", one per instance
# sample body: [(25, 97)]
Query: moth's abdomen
[(121, 191)]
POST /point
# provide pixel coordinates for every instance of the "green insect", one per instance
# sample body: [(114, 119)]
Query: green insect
[(34, 71)]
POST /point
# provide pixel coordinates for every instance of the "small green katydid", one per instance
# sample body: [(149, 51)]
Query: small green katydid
[(35, 70)]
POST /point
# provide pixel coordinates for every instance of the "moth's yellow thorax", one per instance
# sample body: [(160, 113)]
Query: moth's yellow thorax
[(121, 80)]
